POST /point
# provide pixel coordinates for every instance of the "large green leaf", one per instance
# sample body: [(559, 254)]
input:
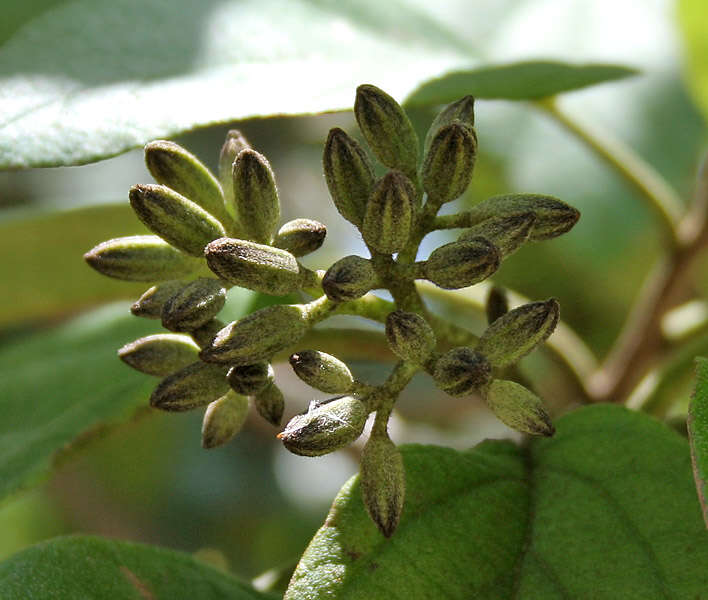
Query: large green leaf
[(90, 568), (92, 78), (693, 21), (604, 510), (698, 433)]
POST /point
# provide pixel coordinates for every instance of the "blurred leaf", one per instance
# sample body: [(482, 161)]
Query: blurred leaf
[(15, 14), (693, 22), (698, 433), (90, 567), (604, 508)]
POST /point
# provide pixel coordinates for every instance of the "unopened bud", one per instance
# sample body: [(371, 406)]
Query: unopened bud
[(270, 404), (140, 258), (255, 195), (349, 175), (193, 386), (409, 336), (449, 163), (326, 427), (177, 220), (300, 236), (150, 304), (204, 334), (461, 264), (349, 278), (257, 336), (235, 142), (173, 166), (223, 419), (462, 110), (518, 408), (194, 305), (497, 304), (519, 331), (383, 483), (387, 129), (249, 380), (160, 354), (462, 370), (389, 213), (322, 371), (508, 233)]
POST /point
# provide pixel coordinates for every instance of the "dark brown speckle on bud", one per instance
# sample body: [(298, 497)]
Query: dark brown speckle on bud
[(409, 336), (506, 232), (349, 278), (270, 404), (462, 111), (193, 386), (461, 264), (160, 354), (150, 304), (390, 213), (250, 379), (255, 196), (300, 236), (518, 408), (461, 371), (194, 305), (322, 371)]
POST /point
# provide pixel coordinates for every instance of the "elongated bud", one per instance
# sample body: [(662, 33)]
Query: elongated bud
[(150, 304), (249, 380), (349, 175), (255, 196), (449, 163), (194, 305), (410, 336), (204, 334), (387, 129), (325, 427), (461, 264), (322, 371), (270, 404), (257, 336), (518, 408), (174, 218), (223, 419), (553, 217), (519, 331), (193, 386), (497, 304), (508, 233), (383, 483), (160, 354), (140, 258), (462, 110), (389, 213), (461, 371), (235, 142), (300, 236), (349, 278), (173, 166)]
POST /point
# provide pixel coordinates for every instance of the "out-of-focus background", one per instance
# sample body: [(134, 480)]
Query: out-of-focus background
[(251, 504)]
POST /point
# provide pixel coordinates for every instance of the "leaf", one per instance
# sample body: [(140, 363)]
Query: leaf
[(693, 22), (89, 567), (698, 433), (602, 510), (135, 71)]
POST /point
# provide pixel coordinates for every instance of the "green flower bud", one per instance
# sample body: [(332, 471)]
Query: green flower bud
[(140, 258), (506, 232), (387, 129), (223, 419), (174, 218), (194, 305), (519, 331), (250, 379), (173, 166), (257, 336), (235, 142), (255, 266), (160, 354), (518, 408), (270, 404), (461, 264), (383, 483), (322, 371), (349, 175), (448, 164), (349, 278), (326, 427), (461, 370), (255, 195), (204, 334), (389, 213), (497, 304), (462, 110), (150, 304), (193, 386), (410, 336), (300, 236), (553, 217)]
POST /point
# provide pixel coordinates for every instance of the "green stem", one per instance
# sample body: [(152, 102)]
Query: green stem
[(388, 393)]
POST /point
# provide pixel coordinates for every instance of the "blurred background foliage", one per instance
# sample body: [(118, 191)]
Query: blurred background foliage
[(252, 504)]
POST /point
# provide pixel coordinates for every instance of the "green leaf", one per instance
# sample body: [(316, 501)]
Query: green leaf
[(94, 568), (693, 22), (135, 71), (698, 433), (604, 509)]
